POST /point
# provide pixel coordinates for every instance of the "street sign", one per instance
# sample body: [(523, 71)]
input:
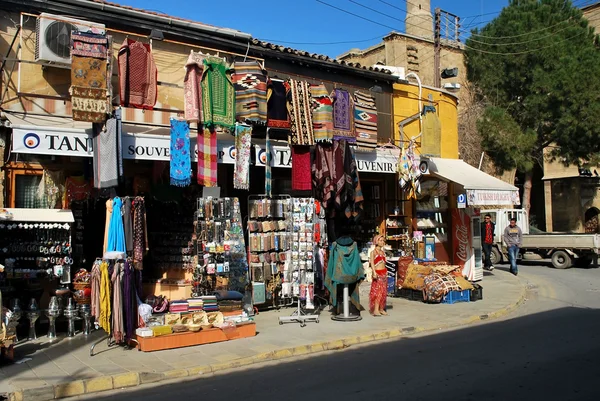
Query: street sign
[(461, 201)]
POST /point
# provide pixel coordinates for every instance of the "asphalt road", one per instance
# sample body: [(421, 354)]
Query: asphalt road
[(548, 350)]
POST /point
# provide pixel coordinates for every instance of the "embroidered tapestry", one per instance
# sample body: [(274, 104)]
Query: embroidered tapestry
[(365, 121), (277, 112), (241, 175), (250, 83), (300, 112), (181, 162), (218, 95), (138, 76), (343, 116), (322, 113), (192, 87)]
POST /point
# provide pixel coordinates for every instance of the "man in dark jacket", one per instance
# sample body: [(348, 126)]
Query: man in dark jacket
[(488, 228)]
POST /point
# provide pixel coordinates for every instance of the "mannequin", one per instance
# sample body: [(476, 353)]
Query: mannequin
[(378, 294)]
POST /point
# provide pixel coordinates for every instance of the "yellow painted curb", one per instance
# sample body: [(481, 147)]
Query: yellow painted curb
[(333, 345), (126, 380), (199, 370), (16, 396), (282, 354), (70, 389), (176, 373)]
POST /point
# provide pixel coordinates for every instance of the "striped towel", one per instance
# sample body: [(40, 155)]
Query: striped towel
[(195, 304), (207, 158), (322, 113), (178, 306), (365, 121)]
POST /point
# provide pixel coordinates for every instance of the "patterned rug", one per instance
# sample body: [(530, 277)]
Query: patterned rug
[(277, 112), (218, 95), (343, 116), (301, 168), (207, 158), (138, 77), (192, 88), (322, 113), (89, 82), (299, 109), (250, 83), (365, 121)]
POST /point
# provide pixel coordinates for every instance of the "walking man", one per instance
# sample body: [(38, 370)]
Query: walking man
[(513, 238), (488, 230)]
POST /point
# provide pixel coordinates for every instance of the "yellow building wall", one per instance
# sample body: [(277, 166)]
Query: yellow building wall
[(406, 104)]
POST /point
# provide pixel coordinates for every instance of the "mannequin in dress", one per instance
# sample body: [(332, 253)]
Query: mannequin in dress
[(378, 294)]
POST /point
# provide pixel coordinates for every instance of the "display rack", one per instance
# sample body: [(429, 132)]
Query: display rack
[(269, 232), (299, 280)]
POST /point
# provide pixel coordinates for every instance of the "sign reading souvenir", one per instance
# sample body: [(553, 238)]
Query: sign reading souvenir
[(481, 197)]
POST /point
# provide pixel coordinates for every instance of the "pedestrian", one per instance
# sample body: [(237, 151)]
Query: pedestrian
[(488, 231), (513, 238), (378, 293)]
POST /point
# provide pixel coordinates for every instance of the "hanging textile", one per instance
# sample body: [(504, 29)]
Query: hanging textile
[(343, 116), (105, 312), (241, 175), (300, 112), (117, 305), (408, 170), (365, 121), (250, 83), (116, 233), (338, 173), (344, 267), (301, 170), (106, 154), (207, 158), (76, 189), (95, 290), (355, 199), (128, 224), (130, 308), (268, 165), (192, 87), (138, 76), (431, 137), (181, 160), (140, 232), (322, 113), (109, 210), (277, 111), (218, 95), (51, 189), (322, 173), (89, 77)]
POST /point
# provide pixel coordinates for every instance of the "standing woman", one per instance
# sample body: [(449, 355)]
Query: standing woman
[(378, 293)]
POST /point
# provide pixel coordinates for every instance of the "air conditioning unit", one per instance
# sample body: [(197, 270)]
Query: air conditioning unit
[(53, 37)]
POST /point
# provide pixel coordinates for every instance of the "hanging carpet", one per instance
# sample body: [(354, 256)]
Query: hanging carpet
[(277, 112), (218, 95), (192, 87), (301, 176), (138, 76), (181, 162), (300, 111), (322, 113), (365, 121), (250, 83), (343, 116), (241, 175)]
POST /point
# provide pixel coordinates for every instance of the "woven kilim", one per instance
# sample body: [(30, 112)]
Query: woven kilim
[(322, 113), (365, 121), (250, 83), (299, 109), (343, 116), (207, 158)]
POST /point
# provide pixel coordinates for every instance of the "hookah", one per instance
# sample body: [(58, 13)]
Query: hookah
[(71, 313), (13, 322), (52, 312), (33, 314), (85, 311)]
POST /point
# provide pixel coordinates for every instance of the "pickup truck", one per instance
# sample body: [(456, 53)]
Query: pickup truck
[(564, 249)]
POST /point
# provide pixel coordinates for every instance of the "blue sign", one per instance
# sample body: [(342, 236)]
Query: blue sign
[(461, 201)]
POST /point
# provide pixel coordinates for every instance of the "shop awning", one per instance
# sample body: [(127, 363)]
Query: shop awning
[(37, 215), (481, 188)]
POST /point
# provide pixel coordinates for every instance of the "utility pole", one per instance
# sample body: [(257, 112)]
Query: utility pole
[(437, 46)]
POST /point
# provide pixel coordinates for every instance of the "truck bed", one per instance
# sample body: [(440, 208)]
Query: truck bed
[(572, 241)]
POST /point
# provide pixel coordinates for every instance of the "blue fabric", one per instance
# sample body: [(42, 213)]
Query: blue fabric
[(224, 295), (513, 252), (181, 161), (344, 267), (116, 232)]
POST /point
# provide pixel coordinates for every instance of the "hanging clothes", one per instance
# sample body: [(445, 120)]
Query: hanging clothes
[(181, 159), (344, 267), (300, 112), (322, 173), (106, 153), (109, 209), (322, 113), (365, 121), (130, 315), (355, 198), (116, 233), (218, 95), (138, 76), (268, 176), (128, 224), (117, 304), (95, 280), (241, 174), (140, 232), (250, 83), (105, 300), (343, 116), (301, 168), (277, 111), (207, 158), (90, 99), (192, 87)]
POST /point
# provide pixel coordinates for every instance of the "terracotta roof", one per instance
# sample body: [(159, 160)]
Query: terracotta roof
[(323, 57)]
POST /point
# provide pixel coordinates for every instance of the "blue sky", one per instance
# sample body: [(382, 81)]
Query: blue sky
[(316, 27)]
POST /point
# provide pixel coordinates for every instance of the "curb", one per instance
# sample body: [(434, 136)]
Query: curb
[(133, 379)]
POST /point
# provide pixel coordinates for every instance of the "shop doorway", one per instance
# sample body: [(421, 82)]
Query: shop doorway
[(592, 220)]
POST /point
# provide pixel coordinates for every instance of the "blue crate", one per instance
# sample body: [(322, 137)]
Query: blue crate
[(457, 296)]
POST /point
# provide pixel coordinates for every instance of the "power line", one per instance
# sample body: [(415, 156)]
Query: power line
[(356, 15), (321, 43), (374, 10), (526, 51)]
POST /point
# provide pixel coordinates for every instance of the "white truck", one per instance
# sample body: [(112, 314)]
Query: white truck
[(564, 249)]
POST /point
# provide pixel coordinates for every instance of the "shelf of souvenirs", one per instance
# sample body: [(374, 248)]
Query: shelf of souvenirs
[(171, 282), (397, 237)]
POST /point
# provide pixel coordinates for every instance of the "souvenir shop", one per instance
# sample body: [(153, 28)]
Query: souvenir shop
[(179, 243)]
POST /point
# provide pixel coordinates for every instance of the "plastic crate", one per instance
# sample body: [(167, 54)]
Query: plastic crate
[(457, 296), (477, 292), (410, 294)]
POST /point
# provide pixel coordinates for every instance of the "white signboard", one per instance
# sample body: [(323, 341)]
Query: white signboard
[(480, 197)]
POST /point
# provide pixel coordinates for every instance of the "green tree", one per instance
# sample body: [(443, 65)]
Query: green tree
[(537, 66)]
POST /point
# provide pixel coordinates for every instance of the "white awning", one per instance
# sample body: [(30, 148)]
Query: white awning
[(37, 215), (481, 188)]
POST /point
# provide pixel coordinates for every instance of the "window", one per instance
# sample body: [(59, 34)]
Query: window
[(26, 192)]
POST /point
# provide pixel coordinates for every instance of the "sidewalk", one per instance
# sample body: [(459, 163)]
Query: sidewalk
[(65, 368)]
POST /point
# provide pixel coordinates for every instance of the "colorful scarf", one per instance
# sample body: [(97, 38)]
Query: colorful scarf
[(322, 113), (365, 121), (321, 173), (129, 301), (192, 87), (104, 313), (207, 158), (89, 77), (299, 109), (250, 83), (106, 153), (218, 95), (116, 232), (343, 113), (301, 177), (268, 165), (181, 162), (241, 175), (117, 321), (138, 76), (140, 232), (277, 112)]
